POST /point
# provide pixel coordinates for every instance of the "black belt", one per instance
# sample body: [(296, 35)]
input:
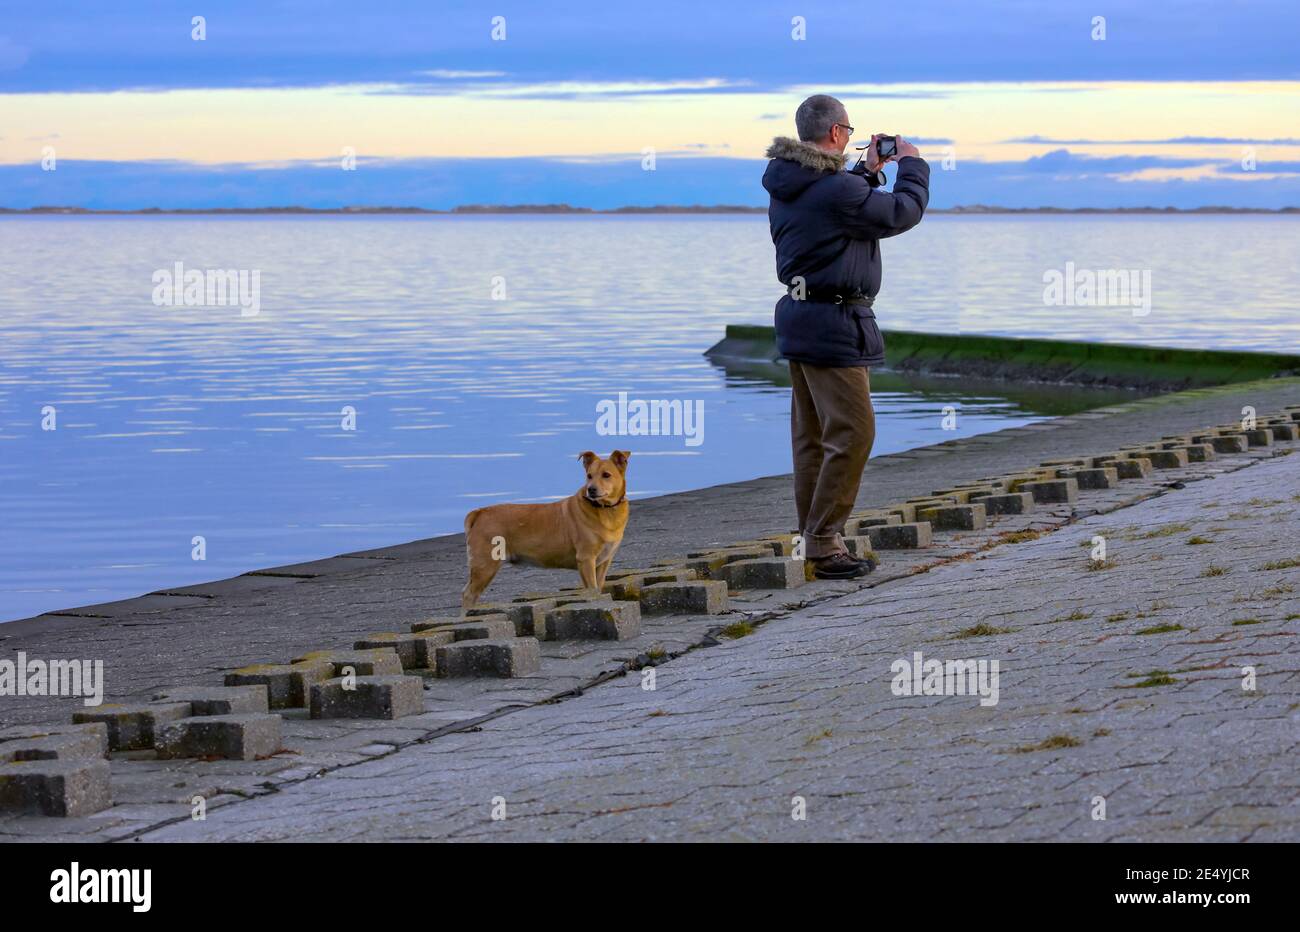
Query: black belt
[(833, 297)]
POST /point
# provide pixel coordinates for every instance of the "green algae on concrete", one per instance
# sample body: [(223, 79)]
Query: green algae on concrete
[(1122, 365)]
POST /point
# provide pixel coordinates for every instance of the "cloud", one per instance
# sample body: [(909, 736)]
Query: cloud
[(452, 74), (1178, 141), (96, 47), (565, 90)]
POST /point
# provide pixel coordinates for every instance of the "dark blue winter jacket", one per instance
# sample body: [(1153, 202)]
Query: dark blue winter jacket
[(827, 224)]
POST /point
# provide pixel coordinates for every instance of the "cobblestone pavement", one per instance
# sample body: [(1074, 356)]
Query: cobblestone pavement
[(1123, 683)]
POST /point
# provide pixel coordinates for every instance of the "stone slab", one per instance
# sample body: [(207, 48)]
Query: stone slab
[(505, 657), (230, 737), (372, 697), (217, 700), (912, 535), (697, 597), (955, 517), (1053, 491), (133, 727), (765, 573), (610, 621), (288, 685), (374, 662), (66, 788)]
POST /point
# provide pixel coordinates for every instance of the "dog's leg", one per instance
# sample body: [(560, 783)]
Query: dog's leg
[(587, 570), (603, 568), (482, 570)]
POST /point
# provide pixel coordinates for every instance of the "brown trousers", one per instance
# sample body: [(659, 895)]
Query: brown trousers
[(832, 428)]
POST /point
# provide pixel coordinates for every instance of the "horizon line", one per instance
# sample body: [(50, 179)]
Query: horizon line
[(555, 209)]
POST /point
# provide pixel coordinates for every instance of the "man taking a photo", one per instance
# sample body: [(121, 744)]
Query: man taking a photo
[(827, 225)]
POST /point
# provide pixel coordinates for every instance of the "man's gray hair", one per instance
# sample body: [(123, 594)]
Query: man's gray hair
[(817, 115)]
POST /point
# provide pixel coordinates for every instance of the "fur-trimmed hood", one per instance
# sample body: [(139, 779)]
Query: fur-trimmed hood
[(795, 165), (805, 153)]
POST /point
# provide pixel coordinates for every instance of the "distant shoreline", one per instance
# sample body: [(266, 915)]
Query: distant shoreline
[(567, 210)]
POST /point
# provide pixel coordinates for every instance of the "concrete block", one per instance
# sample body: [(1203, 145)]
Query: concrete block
[(1229, 443), (628, 588), (507, 657), (406, 646), (955, 517), (1017, 483), (1197, 452), (745, 552), (931, 502), (1107, 459), (697, 597), (527, 617), (860, 545), (765, 573), (1053, 491), (288, 685), (465, 629), (374, 662), (1259, 437), (9, 732), (553, 594), (907, 536), (782, 545), (72, 788), (857, 526), (567, 597), (763, 544), (905, 510), (957, 496), (624, 571), (1008, 503), (609, 621), (1100, 477), (133, 727), (1285, 431), (1163, 459), (1130, 468), (217, 700), (54, 742), (230, 737), (427, 644), (709, 564), (381, 697), (1066, 461)]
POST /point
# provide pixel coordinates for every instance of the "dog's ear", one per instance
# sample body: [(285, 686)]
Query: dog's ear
[(587, 459), (619, 459)]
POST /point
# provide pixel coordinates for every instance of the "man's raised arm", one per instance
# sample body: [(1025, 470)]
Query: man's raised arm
[(869, 213)]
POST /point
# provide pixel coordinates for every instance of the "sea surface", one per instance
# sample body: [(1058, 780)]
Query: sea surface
[(401, 371)]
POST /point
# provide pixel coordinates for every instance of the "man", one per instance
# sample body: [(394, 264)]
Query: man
[(827, 225)]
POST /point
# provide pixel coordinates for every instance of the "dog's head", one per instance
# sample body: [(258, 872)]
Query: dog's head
[(606, 478)]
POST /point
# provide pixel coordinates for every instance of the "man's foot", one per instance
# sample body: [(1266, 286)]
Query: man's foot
[(840, 566)]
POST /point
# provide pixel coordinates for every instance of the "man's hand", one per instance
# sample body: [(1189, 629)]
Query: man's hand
[(872, 160), (905, 149)]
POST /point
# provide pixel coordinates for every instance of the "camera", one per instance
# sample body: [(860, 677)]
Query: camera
[(887, 147)]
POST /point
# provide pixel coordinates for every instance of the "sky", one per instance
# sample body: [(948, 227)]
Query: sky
[(1180, 103)]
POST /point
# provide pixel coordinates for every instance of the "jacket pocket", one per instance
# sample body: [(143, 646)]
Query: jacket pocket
[(871, 343)]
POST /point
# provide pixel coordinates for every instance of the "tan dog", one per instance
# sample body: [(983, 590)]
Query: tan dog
[(581, 532)]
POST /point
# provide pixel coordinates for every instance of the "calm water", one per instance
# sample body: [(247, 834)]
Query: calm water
[(175, 422)]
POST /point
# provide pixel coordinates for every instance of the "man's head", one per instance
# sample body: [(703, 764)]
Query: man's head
[(823, 121)]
